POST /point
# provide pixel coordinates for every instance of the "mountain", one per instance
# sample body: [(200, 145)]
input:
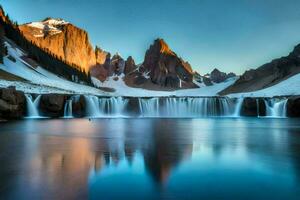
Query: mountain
[(71, 45), (63, 39), (166, 68), (36, 54), (268, 74), (215, 76), (162, 69)]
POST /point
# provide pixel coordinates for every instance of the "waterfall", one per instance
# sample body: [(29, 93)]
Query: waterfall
[(92, 106), (149, 107), (238, 107), (105, 107), (276, 107), (113, 107), (68, 113), (225, 106), (32, 106), (184, 107)]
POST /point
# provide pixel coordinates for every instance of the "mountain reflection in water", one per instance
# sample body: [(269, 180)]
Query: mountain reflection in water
[(150, 159)]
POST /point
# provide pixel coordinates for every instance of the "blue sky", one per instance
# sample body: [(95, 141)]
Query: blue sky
[(232, 35)]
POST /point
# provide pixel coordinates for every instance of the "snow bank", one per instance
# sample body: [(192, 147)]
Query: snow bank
[(123, 90)]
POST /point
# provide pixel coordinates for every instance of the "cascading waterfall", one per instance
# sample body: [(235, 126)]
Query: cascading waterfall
[(238, 107), (68, 111), (105, 107), (174, 107), (114, 106), (225, 105), (32, 106), (184, 107), (149, 107), (92, 106), (276, 107)]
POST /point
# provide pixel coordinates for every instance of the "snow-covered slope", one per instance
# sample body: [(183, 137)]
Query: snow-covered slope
[(288, 87), (39, 79), (123, 90)]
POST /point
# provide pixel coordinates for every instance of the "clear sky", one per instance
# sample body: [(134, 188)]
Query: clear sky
[(232, 35)]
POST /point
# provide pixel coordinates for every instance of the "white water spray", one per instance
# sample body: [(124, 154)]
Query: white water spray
[(238, 107), (276, 107), (68, 110), (32, 106)]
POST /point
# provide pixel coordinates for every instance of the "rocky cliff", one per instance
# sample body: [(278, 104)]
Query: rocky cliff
[(268, 74), (162, 69), (12, 104), (64, 40), (166, 68), (215, 76)]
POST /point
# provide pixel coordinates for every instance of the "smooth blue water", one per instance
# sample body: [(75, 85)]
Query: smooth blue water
[(211, 158)]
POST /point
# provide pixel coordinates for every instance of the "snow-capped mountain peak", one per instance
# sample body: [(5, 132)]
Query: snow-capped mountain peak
[(54, 21), (48, 26)]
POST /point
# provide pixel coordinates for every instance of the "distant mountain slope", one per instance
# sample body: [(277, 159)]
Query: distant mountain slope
[(287, 87), (268, 74)]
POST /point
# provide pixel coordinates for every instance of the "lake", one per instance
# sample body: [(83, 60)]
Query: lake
[(112, 159)]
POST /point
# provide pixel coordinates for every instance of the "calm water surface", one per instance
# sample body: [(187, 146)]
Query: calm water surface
[(150, 159)]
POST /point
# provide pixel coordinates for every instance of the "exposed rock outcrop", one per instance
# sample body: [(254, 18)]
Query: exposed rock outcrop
[(12, 104), (217, 76), (293, 107), (165, 68), (79, 107), (130, 65), (117, 65), (52, 105), (253, 107)]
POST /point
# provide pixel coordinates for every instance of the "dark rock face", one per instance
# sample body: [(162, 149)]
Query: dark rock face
[(12, 104), (166, 68), (79, 107), (293, 107), (111, 66), (253, 107), (133, 106), (52, 105), (217, 76), (130, 65), (117, 65), (268, 74), (207, 81)]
